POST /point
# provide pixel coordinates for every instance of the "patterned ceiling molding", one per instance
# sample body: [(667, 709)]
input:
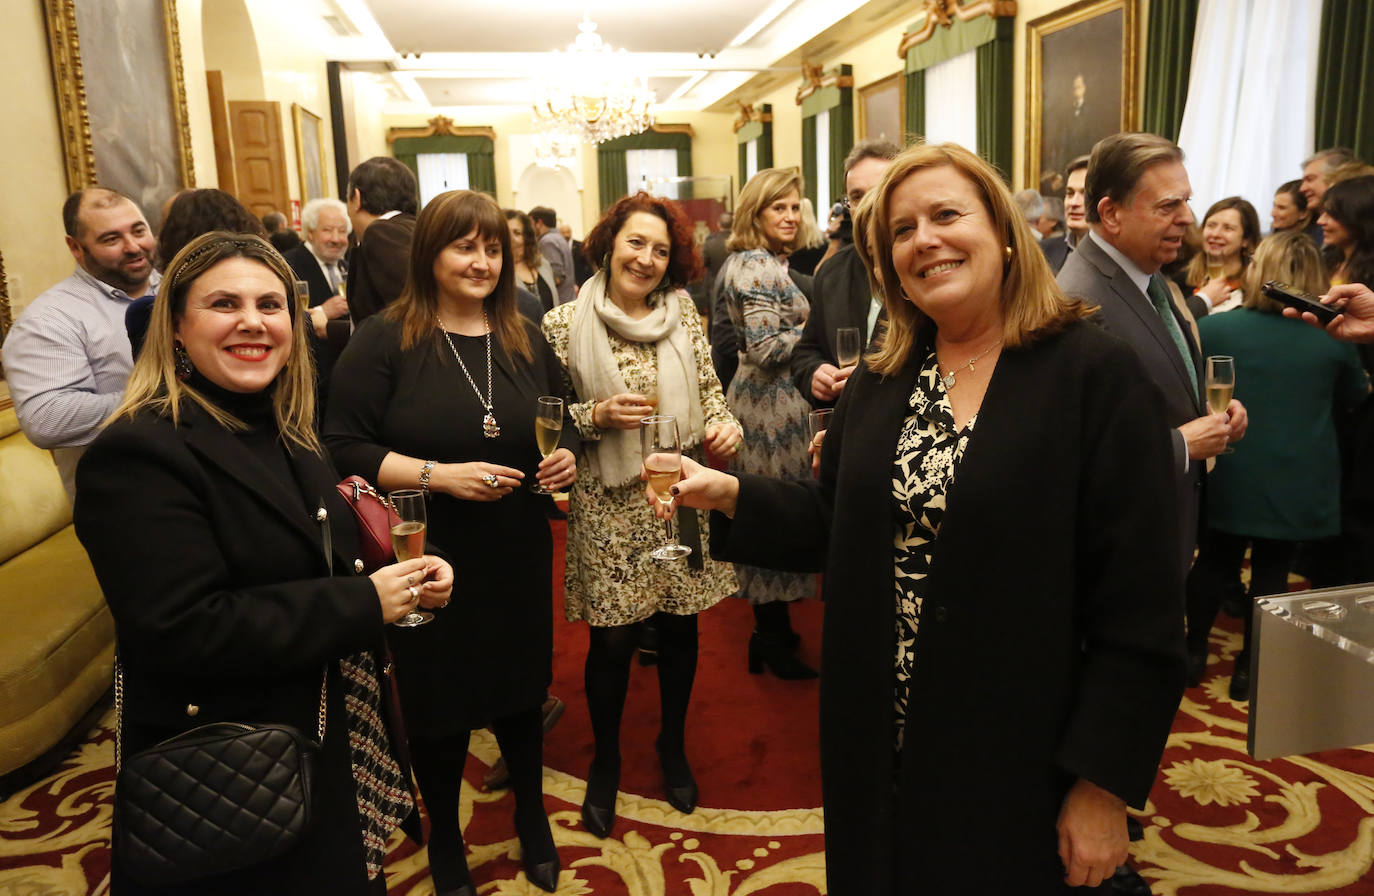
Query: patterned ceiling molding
[(439, 126), (942, 13), (815, 77)]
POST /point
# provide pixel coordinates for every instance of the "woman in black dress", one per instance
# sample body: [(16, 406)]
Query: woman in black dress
[(439, 392), (203, 506)]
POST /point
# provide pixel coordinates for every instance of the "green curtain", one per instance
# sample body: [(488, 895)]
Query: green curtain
[(743, 163), (1168, 58), (809, 157), (841, 141), (760, 133), (766, 143), (916, 105), (481, 153), (1345, 77), (995, 74), (613, 181)]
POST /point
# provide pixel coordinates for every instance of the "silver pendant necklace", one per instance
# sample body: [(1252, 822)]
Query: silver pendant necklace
[(489, 427), (948, 379)]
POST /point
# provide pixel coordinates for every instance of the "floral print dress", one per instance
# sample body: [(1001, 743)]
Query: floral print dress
[(609, 577), (928, 453)]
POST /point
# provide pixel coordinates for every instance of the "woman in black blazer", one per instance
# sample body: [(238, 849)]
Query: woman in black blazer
[(440, 391), (1003, 648), (203, 507)]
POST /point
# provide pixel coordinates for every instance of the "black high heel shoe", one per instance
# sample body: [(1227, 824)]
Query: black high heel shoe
[(598, 806), (678, 782), (774, 651), (537, 851)]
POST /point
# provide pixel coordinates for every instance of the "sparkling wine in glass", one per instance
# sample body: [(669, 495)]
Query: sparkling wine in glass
[(847, 346), (408, 540), (1221, 385), (1215, 266), (658, 438), (548, 429)]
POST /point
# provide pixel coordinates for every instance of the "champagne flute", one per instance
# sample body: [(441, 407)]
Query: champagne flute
[(408, 540), (548, 429), (1221, 385), (658, 438), (818, 421), (1215, 266), (847, 345)]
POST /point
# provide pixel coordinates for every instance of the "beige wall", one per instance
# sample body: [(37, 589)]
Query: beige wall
[(33, 180)]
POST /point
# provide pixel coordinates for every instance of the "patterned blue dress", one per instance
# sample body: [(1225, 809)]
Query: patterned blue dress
[(768, 312)]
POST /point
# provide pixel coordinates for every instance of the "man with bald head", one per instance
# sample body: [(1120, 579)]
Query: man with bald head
[(67, 357)]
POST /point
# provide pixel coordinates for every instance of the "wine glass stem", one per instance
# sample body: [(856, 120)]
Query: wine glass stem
[(668, 531)]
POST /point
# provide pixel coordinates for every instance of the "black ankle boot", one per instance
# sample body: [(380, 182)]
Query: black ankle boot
[(679, 784), (598, 806), (774, 652), (537, 851)]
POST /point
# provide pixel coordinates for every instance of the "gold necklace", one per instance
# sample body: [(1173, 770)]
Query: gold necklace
[(948, 378)]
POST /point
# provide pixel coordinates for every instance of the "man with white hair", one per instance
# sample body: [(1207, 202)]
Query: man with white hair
[(319, 261)]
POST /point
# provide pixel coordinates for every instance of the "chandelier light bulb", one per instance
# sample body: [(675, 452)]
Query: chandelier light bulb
[(588, 94)]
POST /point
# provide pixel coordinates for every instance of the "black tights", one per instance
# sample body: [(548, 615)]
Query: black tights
[(608, 678), (1218, 563), (438, 764)]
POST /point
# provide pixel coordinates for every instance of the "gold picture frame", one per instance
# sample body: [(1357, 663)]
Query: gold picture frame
[(876, 104), (6, 318), (1082, 84), (310, 160), (119, 130)]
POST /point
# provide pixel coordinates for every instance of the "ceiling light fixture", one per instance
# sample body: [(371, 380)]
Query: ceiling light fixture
[(588, 94)]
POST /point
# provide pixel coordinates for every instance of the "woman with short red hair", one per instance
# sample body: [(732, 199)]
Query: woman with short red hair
[(631, 346)]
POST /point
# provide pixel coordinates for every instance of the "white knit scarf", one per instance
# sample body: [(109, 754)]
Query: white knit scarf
[(616, 460)]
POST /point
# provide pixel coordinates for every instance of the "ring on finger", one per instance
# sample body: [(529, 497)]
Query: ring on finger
[(414, 595), (410, 580), (490, 480)]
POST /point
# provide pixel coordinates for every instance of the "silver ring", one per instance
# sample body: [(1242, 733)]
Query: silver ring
[(414, 595), (490, 480)]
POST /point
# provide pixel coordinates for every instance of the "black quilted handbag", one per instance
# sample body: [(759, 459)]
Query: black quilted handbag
[(211, 800)]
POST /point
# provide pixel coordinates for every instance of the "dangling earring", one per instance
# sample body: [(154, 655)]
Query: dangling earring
[(181, 362)]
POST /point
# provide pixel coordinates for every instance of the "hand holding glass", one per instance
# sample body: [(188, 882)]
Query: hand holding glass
[(408, 540), (662, 451), (1221, 386), (548, 429)]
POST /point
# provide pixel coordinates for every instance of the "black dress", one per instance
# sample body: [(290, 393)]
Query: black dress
[(489, 653)]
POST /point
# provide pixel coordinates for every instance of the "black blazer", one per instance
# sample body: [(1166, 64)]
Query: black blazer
[(1051, 636), (1056, 249), (842, 299), (1128, 314), (307, 268), (379, 265), (225, 609)]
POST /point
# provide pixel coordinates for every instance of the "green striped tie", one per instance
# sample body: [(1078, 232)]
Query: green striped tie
[(1159, 297)]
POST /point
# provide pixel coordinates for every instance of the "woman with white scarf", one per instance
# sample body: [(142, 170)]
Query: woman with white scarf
[(632, 346)]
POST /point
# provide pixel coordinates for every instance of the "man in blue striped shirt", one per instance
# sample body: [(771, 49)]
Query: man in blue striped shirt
[(67, 357)]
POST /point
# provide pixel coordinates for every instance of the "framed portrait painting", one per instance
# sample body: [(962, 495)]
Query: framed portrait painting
[(882, 106), (310, 162), (5, 320), (1081, 84), (121, 98)]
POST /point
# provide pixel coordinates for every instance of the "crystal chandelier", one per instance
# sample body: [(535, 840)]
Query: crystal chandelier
[(588, 94)]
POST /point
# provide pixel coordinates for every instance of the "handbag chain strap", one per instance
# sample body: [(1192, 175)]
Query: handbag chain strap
[(365, 488), (119, 710)]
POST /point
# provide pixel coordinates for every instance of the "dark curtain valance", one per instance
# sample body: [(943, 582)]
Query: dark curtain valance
[(946, 43)]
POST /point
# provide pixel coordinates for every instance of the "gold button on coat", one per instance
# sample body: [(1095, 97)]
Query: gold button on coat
[(358, 566), (192, 710)]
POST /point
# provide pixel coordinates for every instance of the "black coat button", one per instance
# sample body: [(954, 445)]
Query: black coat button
[(941, 614)]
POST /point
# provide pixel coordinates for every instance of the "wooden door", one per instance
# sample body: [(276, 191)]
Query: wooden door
[(219, 129), (259, 156)]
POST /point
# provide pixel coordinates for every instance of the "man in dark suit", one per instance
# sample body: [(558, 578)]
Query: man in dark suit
[(713, 253), (1137, 209), (383, 197), (1057, 248), (842, 295), (319, 262), (279, 232)]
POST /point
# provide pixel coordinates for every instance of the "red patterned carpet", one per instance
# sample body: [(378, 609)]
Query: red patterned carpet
[(1218, 823)]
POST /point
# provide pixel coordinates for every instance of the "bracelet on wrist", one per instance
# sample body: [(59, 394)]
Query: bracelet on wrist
[(424, 476)]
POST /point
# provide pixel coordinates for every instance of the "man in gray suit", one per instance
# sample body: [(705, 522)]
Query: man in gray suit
[(1137, 209)]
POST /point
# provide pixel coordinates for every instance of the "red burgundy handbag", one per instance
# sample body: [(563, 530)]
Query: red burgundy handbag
[(373, 514)]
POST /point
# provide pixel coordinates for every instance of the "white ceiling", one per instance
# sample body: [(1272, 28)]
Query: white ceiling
[(700, 54)]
